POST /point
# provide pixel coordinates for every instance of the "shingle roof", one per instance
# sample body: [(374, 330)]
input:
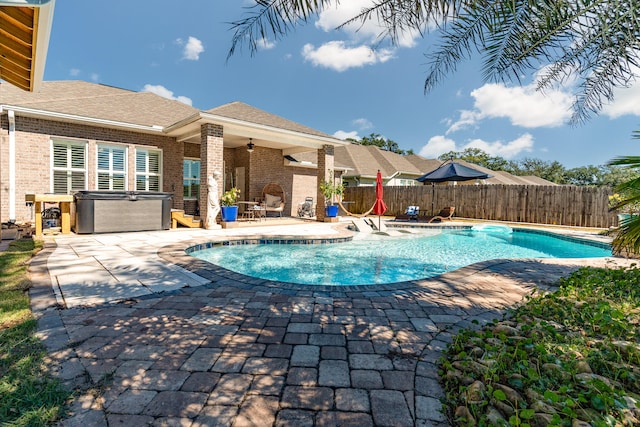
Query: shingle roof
[(98, 101), (366, 160), (536, 180), (241, 111), (423, 164), (359, 159), (394, 162)]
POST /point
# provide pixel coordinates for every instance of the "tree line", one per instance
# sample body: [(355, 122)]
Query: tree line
[(592, 175), (554, 171)]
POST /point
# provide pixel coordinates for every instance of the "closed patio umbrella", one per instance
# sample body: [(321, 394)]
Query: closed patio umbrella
[(379, 207), (450, 171)]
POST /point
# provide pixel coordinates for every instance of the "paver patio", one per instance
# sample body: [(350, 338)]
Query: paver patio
[(231, 350)]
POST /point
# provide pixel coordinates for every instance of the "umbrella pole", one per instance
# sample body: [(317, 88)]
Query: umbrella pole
[(433, 198)]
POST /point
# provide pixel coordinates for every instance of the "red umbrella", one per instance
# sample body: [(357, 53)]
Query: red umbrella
[(379, 208)]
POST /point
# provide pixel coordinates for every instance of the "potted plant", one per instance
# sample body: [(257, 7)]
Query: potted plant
[(329, 188), (228, 206)]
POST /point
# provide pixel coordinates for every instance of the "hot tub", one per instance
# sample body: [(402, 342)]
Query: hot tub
[(117, 211)]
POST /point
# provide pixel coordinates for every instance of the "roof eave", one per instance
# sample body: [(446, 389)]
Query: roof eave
[(71, 118), (255, 130), (43, 34), (25, 59)]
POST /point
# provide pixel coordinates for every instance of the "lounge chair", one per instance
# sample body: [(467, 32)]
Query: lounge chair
[(445, 213), (273, 198), (412, 212)]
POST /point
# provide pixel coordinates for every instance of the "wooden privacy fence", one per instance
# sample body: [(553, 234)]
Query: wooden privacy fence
[(557, 204)]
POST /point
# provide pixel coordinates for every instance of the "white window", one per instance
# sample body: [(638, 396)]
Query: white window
[(69, 166), (112, 167), (148, 170), (191, 178)]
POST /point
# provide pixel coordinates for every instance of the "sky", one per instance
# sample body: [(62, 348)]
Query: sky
[(345, 83)]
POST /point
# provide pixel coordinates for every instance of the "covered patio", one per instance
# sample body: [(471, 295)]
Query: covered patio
[(252, 149)]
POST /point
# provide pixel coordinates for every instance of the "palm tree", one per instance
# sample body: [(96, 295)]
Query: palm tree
[(594, 42), (628, 236)]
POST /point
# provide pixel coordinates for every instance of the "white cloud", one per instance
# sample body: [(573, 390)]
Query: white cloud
[(362, 124), (265, 44), (625, 101), (522, 105), (166, 93), (335, 15), (436, 146), (337, 56), (192, 48), (344, 135), (74, 72), (95, 77), (468, 118), (439, 145), (507, 150)]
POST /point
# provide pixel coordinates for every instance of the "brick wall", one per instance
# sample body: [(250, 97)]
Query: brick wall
[(211, 159), (266, 165), (33, 158)]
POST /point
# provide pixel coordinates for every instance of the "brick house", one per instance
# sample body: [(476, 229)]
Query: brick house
[(75, 135)]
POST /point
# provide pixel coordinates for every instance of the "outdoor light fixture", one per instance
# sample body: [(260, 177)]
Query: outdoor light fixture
[(250, 145)]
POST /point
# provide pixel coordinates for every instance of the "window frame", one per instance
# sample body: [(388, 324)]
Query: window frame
[(146, 173), (69, 169), (191, 180), (111, 171)]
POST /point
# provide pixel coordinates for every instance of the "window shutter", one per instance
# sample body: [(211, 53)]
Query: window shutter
[(154, 162), (141, 161), (60, 182), (59, 156), (77, 156), (119, 182), (69, 167), (119, 160), (103, 158)]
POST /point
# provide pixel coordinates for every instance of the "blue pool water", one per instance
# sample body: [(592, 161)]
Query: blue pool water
[(385, 259)]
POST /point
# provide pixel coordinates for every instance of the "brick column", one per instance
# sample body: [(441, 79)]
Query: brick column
[(325, 171), (211, 159)]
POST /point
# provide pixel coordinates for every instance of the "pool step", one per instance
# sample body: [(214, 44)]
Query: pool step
[(179, 217)]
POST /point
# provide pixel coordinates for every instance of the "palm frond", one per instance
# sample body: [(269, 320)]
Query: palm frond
[(628, 236), (457, 39), (400, 16), (271, 18)]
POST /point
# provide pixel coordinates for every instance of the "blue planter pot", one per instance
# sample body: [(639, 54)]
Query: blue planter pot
[(229, 213), (331, 211)]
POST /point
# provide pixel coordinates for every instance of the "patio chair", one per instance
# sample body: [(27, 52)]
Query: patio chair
[(306, 208), (445, 213), (273, 198), (412, 212)]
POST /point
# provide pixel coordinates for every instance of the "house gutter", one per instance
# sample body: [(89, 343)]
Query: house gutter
[(31, 112)]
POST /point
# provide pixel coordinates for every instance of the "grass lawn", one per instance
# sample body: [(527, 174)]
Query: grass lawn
[(568, 356), (30, 397)]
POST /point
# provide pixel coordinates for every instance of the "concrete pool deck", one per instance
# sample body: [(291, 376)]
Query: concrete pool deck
[(148, 337)]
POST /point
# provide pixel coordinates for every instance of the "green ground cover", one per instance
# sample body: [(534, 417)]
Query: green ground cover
[(567, 358), (29, 396)]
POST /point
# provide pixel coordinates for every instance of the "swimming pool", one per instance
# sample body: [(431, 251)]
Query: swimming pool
[(379, 259)]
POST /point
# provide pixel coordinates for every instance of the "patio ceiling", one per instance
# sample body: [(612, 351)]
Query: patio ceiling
[(25, 27)]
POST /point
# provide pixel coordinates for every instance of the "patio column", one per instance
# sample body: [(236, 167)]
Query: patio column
[(211, 159), (325, 171)]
